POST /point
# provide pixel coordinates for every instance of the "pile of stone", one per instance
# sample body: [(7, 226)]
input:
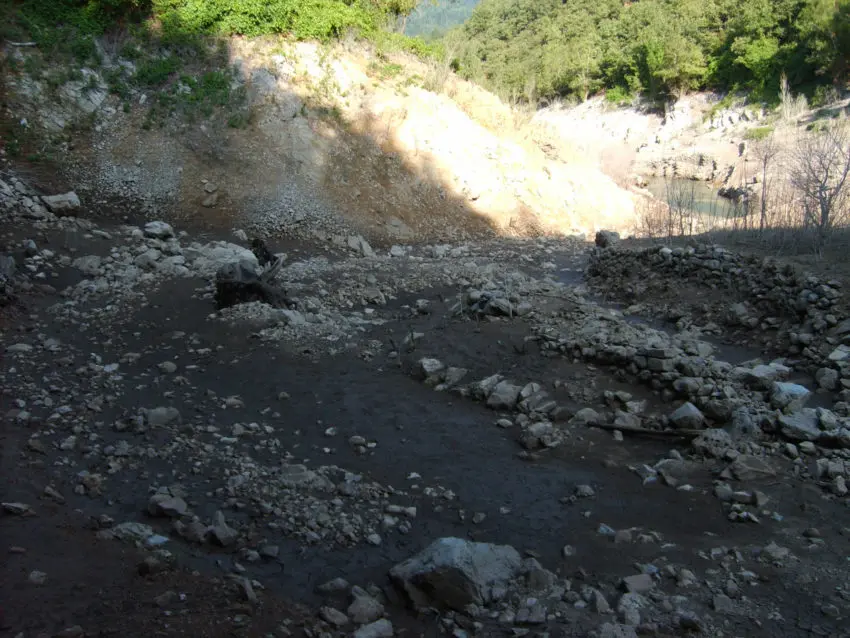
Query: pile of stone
[(325, 506), (536, 409), (494, 303), (19, 200), (750, 401), (801, 310)]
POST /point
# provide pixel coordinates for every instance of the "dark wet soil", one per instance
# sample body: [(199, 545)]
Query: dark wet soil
[(450, 441)]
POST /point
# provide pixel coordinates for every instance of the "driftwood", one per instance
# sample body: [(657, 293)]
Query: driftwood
[(673, 434), (239, 282), (261, 252)]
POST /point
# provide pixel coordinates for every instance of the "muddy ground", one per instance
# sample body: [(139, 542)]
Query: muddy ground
[(439, 452)]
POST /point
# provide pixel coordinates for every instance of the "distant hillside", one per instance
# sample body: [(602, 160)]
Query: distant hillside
[(434, 17)]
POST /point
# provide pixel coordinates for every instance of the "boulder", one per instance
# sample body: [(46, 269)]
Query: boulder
[(789, 396), (429, 367), (162, 416), (500, 306), (221, 532), (800, 426), (166, 505), (206, 259), (364, 608), (841, 353), (504, 396), (586, 416), (607, 238), (360, 245), (749, 468), (452, 377), (687, 416), (482, 389), (63, 204), (744, 425), (455, 573), (638, 584), (611, 630), (239, 282), (542, 434), (89, 265), (762, 377), (827, 378), (379, 629), (158, 230), (713, 442)]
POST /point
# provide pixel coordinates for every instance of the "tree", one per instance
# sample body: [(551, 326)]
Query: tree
[(765, 152), (820, 172), (661, 47), (825, 33)]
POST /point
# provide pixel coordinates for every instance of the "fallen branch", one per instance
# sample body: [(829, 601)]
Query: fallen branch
[(22, 44), (677, 434)]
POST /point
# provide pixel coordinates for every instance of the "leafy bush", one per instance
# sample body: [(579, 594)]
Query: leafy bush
[(758, 133), (618, 95), (156, 72), (390, 42)]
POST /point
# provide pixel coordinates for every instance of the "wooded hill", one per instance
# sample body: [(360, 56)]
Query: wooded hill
[(537, 49)]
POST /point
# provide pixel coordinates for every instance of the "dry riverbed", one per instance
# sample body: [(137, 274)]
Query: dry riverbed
[(455, 440)]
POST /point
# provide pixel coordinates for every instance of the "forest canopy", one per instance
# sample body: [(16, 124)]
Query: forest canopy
[(537, 49)]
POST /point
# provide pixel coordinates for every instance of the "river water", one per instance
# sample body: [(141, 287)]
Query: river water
[(700, 197)]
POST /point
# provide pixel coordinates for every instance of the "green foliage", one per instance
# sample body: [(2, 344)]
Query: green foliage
[(547, 48), (758, 133), (305, 19), (155, 72), (192, 95), (69, 23), (386, 42), (824, 95), (385, 70), (618, 95)]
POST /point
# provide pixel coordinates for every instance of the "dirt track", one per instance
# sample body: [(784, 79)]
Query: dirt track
[(449, 441)]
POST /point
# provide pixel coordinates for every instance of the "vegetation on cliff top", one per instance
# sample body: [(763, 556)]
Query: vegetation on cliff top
[(48, 22)]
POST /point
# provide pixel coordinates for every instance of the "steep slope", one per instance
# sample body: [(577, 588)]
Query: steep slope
[(314, 139)]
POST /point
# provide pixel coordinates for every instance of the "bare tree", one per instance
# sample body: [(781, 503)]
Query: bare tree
[(819, 172), (765, 151), (681, 202)]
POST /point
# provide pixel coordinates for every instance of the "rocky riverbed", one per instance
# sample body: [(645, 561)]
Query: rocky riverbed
[(460, 439)]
